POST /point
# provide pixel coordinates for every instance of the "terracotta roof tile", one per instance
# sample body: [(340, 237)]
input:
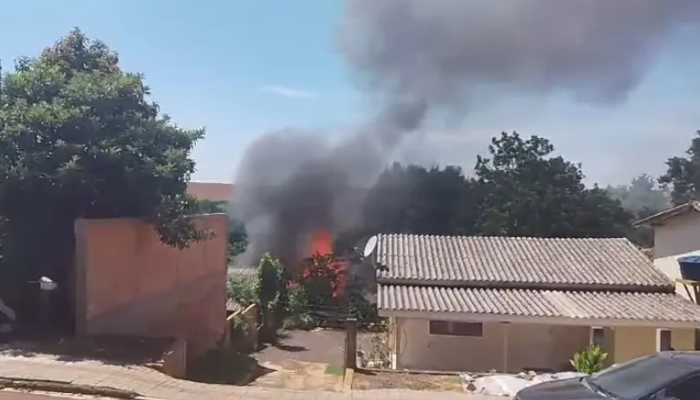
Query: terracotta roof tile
[(517, 260), (667, 307)]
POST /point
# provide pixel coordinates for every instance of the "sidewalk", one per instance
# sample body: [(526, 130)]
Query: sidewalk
[(151, 383)]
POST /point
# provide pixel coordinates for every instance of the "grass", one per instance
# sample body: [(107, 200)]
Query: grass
[(335, 370)]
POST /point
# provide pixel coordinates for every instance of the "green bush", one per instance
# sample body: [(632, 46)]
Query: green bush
[(298, 309), (590, 360), (298, 301), (243, 291), (240, 327)]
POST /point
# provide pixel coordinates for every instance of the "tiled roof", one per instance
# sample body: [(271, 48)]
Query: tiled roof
[(517, 260), (667, 307), (244, 273), (691, 206)]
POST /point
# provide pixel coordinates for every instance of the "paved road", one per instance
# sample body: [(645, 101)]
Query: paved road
[(153, 384), (321, 346)]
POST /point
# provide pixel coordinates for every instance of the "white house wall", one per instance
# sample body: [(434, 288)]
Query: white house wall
[(530, 346), (677, 237)]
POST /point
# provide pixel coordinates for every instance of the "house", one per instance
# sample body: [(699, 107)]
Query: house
[(215, 192), (515, 303), (676, 235)]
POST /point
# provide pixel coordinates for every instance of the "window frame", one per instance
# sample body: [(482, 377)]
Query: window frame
[(451, 328)]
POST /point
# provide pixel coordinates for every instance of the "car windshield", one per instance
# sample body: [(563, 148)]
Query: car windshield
[(638, 378)]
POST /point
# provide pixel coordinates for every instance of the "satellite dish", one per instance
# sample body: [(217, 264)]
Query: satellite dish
[(370, 246)]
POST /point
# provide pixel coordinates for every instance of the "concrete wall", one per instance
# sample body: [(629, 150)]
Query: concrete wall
[(527, 347), (174, 361), (129, 283), (677, 237)]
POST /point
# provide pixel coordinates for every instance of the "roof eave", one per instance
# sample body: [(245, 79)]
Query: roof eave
[(673, 212), (596, 287), (522, 319)]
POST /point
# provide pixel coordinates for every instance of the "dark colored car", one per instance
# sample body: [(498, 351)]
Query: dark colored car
[(669, 375)]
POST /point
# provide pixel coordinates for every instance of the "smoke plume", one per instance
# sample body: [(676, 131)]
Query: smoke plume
[(425, 60)]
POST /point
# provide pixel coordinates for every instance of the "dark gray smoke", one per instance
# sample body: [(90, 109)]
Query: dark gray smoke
[(425, 60)]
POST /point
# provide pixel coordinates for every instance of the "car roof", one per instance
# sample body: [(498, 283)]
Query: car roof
[(689, 358)]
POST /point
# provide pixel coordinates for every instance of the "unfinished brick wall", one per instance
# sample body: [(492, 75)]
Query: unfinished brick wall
[(129, 283)]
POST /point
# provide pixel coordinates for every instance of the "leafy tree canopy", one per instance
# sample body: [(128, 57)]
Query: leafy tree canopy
[(80, 138), (683, 174), (529, 192), (641, 196), (518, 189)]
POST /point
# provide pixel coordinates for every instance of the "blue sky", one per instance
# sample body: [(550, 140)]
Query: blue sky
[(241, 68)]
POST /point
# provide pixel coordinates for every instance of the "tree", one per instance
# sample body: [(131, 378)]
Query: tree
[(272, 291), (528, 192), (519, 189), (237, 236), (683, 174), (408, 199), (641, 195), (81, 139), (642, 198)]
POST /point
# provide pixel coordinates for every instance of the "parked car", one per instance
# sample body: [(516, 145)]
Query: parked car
[(668, 375)]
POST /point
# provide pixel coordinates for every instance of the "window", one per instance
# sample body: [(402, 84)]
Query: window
[(663, 340), (451, 328), (597, 336)]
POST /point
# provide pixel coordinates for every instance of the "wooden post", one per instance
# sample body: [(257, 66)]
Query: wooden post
[(351, 343)]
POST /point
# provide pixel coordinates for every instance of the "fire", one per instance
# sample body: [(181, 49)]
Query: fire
[(321, 243)]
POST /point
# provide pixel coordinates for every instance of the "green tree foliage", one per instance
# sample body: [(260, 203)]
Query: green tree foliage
[(518, 189), (529, 192), (237, 236), (408, 199), (642, 198), (272, 291), (243, 291), (80, 138), (683, 174), (641, 195)]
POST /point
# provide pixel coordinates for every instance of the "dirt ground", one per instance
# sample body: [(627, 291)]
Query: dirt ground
[(366, 380), (300, 375)]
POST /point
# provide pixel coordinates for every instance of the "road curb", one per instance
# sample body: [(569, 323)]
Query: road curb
[(67, 387)]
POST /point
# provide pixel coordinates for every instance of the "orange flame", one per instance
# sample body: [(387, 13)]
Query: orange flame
[(321, 243)]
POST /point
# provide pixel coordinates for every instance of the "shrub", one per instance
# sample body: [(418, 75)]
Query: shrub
[(590, 360), (243, 291), (298, 308)]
